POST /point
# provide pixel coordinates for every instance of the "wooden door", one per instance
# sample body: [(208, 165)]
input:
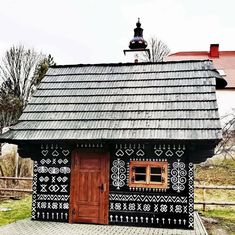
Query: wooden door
[(89, 187)]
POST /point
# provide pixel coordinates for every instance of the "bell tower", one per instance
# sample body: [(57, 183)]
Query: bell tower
[(137, 43)]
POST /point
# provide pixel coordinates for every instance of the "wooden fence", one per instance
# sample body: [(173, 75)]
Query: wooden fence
[(215, 203), (203, 202), (6, 191)]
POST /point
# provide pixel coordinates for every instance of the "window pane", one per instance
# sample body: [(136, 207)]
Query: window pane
[(155, 178), (140, 177), (140, 169), (156, 170)]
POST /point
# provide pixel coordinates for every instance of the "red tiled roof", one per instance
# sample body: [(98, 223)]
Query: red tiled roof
[(225, 61)]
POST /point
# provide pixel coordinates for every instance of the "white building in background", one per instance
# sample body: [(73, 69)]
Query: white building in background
[(224, 62)]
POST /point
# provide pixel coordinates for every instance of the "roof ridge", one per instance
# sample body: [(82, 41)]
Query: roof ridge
[(126, 64)]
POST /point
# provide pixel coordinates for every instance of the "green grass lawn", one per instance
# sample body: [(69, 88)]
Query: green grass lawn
[(225, 221), (219, 173), (20, 209)]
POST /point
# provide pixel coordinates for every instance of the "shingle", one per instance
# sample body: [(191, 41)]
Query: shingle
[(128, 83), (114, 134), (125, 98), (122, 107), (170, 100), (116, 115), (125, 91), (118, 124), (81, 78)]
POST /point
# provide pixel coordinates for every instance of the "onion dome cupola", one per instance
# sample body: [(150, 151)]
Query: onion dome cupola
[(138, 41)]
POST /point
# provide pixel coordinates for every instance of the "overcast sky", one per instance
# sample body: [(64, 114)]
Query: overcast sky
[(97, 31)]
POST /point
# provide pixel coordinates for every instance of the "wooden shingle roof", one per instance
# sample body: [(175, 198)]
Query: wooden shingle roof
[(159, 101)]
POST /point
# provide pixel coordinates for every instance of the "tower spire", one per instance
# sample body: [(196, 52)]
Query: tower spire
[(138, 44), (138, 41)]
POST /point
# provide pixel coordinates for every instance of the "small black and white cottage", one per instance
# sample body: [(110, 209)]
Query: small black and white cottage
[(116, 143)]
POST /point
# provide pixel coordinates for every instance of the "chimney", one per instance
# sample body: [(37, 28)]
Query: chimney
[(214, 50)]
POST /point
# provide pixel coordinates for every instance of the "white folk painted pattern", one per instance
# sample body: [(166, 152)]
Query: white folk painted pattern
[(44, 179), (178, 174), (63, 161), (113, 218), (178, 209), (90, 145), (51, 197), (44, 152), (146, 207), (119, 153), (53, 170), (147, 198), (118, 173), (140, 153), (163, 208), (54, 188), (65, 170), (130, 150), (52, 215), (62, 179), (131, 206), (43, 188), (34, 187), (169, 150), (55, 153), (137, 189), (65, 152), (191, 195), (45, 161)]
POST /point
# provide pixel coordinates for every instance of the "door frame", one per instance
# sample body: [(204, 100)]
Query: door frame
[(104, 201)]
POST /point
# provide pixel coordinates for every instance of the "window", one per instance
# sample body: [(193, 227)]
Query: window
[(148, 174)]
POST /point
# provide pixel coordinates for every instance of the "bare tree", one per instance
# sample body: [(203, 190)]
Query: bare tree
[(158, 51), (10, 109), (17, 71), (227, 146), (21, 71)]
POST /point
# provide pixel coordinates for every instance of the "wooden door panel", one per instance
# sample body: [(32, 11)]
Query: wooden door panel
[(83, 187), (95, 182), (89, 163), (89, 211), (89, 187)]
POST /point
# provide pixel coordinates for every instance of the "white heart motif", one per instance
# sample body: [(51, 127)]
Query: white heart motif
[(169, 153), (140, 153), (119, 153), (158, 152), (44, 152), (55, 153), (129, 151), (65, 152), (179, 153)]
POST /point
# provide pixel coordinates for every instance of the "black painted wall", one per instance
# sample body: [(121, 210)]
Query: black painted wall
[(51, 182), (171, 207)]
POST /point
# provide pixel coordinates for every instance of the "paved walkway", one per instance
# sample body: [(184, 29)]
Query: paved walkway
[(28, 227)]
